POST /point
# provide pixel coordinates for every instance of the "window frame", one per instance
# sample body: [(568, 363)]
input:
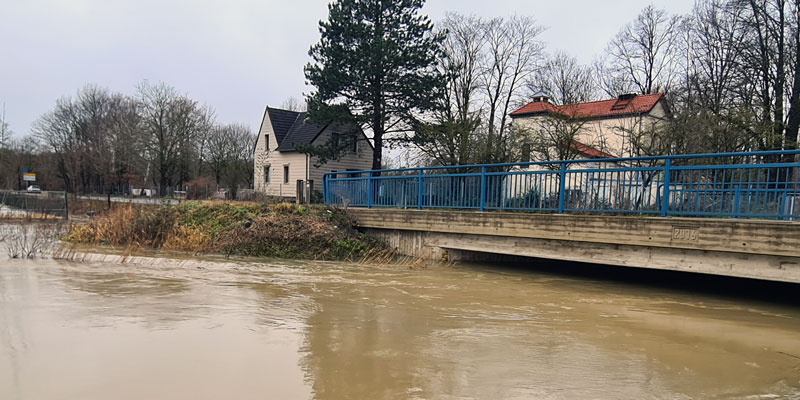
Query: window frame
[(285, 174)]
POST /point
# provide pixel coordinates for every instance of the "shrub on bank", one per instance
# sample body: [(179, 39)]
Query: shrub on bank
[(249, 229)]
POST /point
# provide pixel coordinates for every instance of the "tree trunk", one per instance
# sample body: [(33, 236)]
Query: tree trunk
[(793, 125)]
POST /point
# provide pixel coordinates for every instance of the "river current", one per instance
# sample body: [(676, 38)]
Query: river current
[(297, 330)]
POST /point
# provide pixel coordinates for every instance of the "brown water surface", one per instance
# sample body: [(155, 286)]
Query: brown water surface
[(283, 330)]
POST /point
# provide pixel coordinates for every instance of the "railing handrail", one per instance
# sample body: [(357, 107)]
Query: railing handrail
[(730, 184), (578, 161)]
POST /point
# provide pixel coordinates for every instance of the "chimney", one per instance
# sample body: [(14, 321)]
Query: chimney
[(541, 97)]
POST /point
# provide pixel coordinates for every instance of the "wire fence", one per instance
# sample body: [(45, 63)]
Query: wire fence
[(44, 205), (735, 185)]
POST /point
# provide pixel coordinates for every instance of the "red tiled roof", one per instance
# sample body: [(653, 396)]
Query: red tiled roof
[(589, 151), (594, 109)]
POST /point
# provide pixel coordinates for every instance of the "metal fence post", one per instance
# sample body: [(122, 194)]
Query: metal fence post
[(483, 188), (665, 198), (369, 189), (562, 175), (419, 190), (737, 194)]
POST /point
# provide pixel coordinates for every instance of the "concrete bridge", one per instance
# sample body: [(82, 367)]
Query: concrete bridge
[(768, 250), (735, 214)]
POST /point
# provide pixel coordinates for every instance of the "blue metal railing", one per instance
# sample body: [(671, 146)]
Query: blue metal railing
[(738, 185)]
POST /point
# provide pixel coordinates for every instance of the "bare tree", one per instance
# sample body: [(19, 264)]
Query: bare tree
[(94, 135), (513, 54), (644, 56), (293, 104), (240, 169), (5, 133), (172, 124), (450, 138), (717, 38), (564, 80), (227, 147)]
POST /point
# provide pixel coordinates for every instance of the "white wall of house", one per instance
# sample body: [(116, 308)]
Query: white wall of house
[(359, 161), (606, 134), (265, 154)]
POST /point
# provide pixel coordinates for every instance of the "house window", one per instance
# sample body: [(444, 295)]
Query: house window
[(333, 174), (285, 174), (334, 140), (526, 153), (266, 142), (355, 144), (266, 173), (351, 174)]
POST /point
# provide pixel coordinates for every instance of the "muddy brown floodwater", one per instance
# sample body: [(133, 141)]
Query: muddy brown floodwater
[(277, 330)]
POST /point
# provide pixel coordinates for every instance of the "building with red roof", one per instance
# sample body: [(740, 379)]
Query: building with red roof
[(604, 128)]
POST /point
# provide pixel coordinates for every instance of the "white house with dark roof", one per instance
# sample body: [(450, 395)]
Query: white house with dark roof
[(278, 165)]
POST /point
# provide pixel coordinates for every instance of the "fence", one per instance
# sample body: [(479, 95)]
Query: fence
[(737, 185), (20, 204)]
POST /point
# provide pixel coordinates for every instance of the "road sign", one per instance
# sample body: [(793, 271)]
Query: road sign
[(28, 176)]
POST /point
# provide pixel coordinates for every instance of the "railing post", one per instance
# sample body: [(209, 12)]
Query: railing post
[(369, 189), (562, 175), (483, 188), (665, 194), (737, 194), (419, 190)]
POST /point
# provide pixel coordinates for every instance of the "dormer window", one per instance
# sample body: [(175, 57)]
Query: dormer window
[(623, 101), (266, 142)]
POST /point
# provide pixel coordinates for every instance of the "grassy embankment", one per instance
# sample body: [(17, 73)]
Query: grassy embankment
[(246, 229)]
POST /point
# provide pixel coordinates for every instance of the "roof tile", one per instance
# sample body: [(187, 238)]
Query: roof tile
[(593, 109)]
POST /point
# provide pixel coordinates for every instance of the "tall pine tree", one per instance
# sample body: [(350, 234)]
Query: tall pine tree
[(375, 66)]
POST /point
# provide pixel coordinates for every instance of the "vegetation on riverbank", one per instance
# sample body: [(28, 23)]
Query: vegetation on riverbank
[(246, 229)]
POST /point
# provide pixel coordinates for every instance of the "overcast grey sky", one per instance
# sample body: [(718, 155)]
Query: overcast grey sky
[(236, 56)]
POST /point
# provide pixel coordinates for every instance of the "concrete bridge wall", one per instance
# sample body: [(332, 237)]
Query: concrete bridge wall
[(768, 250)]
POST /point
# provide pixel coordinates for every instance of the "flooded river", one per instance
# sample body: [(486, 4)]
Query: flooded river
[(278, 330)]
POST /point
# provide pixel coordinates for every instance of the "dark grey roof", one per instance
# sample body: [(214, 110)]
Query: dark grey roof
[(291, 128), (282, 121), (301, 132)]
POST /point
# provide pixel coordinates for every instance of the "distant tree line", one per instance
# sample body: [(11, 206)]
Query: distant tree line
[(99, 141)]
